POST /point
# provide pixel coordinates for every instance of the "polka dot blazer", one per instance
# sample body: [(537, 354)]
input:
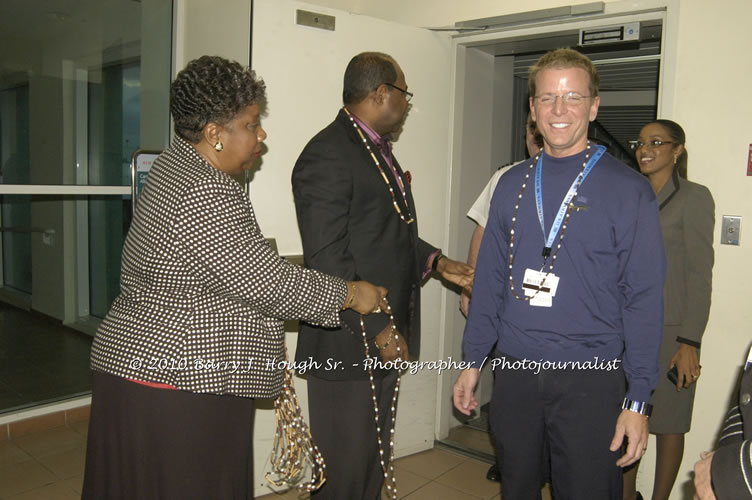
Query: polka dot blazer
[(202, 294)]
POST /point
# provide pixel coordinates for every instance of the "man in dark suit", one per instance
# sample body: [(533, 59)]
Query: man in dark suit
[(357, 218), (724, 474)]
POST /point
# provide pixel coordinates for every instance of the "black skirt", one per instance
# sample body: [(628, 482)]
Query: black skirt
[(146, 443)]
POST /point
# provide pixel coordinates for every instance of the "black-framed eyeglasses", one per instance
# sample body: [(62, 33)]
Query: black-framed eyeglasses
[(408, 95), (655, 143)]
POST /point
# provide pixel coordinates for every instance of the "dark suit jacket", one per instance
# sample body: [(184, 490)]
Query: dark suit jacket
[(731, 468), (350, 229)]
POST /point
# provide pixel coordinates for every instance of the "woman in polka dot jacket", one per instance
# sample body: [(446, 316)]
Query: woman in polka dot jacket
[(196, 333)]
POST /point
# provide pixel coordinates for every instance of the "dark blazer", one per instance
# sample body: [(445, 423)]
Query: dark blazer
[(731, 468), (687, 219), (350, 228)]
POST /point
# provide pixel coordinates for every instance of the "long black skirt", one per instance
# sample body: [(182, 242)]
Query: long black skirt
[(147, 443)]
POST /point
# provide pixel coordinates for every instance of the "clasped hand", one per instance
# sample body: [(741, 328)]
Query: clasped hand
[(457, 272)]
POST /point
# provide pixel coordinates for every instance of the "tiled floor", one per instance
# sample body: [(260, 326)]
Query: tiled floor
[(48, 465), (45, 465), (40, 360), (434, 475)]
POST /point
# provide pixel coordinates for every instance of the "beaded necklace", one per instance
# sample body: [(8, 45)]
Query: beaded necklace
[(546, 251), (294, 448), (409, 219), (389, 479)]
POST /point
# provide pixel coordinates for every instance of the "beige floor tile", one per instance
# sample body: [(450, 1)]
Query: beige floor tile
[(78, 414), (10, 454), (65, 464), (56, 491), (470, 477), (75, 483), (473, 439), (407, 482), (436, 491), (430, 464), (24, 477), (36, 424), (43, 443), (81, 426)]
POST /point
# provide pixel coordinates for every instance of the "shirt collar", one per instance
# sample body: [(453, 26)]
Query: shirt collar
[(383, 143)]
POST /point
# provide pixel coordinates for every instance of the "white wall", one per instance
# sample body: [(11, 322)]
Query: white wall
[(303, 68)]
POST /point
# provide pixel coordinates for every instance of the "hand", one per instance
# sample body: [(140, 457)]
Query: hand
[(365, 297), (634, 427), (687, 366), (457, 272), (392, 340), (703, 485), (464, 303), (463, 392)]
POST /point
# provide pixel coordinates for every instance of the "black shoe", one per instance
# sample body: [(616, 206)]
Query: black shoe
[(493, 474)]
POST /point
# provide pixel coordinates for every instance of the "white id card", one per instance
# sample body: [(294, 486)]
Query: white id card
[(540, 286)]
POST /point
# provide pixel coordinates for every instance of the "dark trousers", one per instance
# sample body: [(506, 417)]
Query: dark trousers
[(156, 444), (574, 412), (343, 427)]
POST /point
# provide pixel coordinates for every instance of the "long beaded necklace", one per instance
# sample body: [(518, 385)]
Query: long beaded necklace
[(389, 479), (293, 444), (409, 219), (546, 251)]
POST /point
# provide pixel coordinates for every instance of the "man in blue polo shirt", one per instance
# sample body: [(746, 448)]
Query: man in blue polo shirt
[(569, 283)]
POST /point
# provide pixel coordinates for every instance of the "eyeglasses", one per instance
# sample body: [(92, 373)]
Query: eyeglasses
[(568, 99), (408, 95), (655, 143)]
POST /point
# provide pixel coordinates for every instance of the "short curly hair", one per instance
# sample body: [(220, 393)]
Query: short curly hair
[(212, 89)]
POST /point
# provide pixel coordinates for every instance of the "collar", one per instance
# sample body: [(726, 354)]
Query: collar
[(383, 143), (668, 190)]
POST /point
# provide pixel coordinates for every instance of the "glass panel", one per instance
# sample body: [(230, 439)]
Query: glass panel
[(82, 86), (16, 238), (109, 218), (15, 221)]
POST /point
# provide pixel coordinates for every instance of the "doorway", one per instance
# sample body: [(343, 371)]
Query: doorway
[(492, 68)]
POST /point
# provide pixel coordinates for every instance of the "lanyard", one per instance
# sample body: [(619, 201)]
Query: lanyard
[(565, 202)]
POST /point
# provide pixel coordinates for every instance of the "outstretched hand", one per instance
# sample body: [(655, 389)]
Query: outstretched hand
[(457, 272)]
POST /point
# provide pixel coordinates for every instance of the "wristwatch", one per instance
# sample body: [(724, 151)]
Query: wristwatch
[(435, 263), (640, 407)]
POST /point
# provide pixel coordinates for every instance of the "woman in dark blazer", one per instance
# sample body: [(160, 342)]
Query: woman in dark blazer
[(196, 333), (687, 220)]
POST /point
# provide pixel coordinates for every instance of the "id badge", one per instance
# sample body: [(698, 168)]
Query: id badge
[(540, 286)]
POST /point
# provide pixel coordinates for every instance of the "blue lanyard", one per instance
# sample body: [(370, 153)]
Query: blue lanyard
[(565, 202)]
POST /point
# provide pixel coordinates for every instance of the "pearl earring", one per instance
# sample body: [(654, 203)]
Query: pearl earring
[(219, 146)]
